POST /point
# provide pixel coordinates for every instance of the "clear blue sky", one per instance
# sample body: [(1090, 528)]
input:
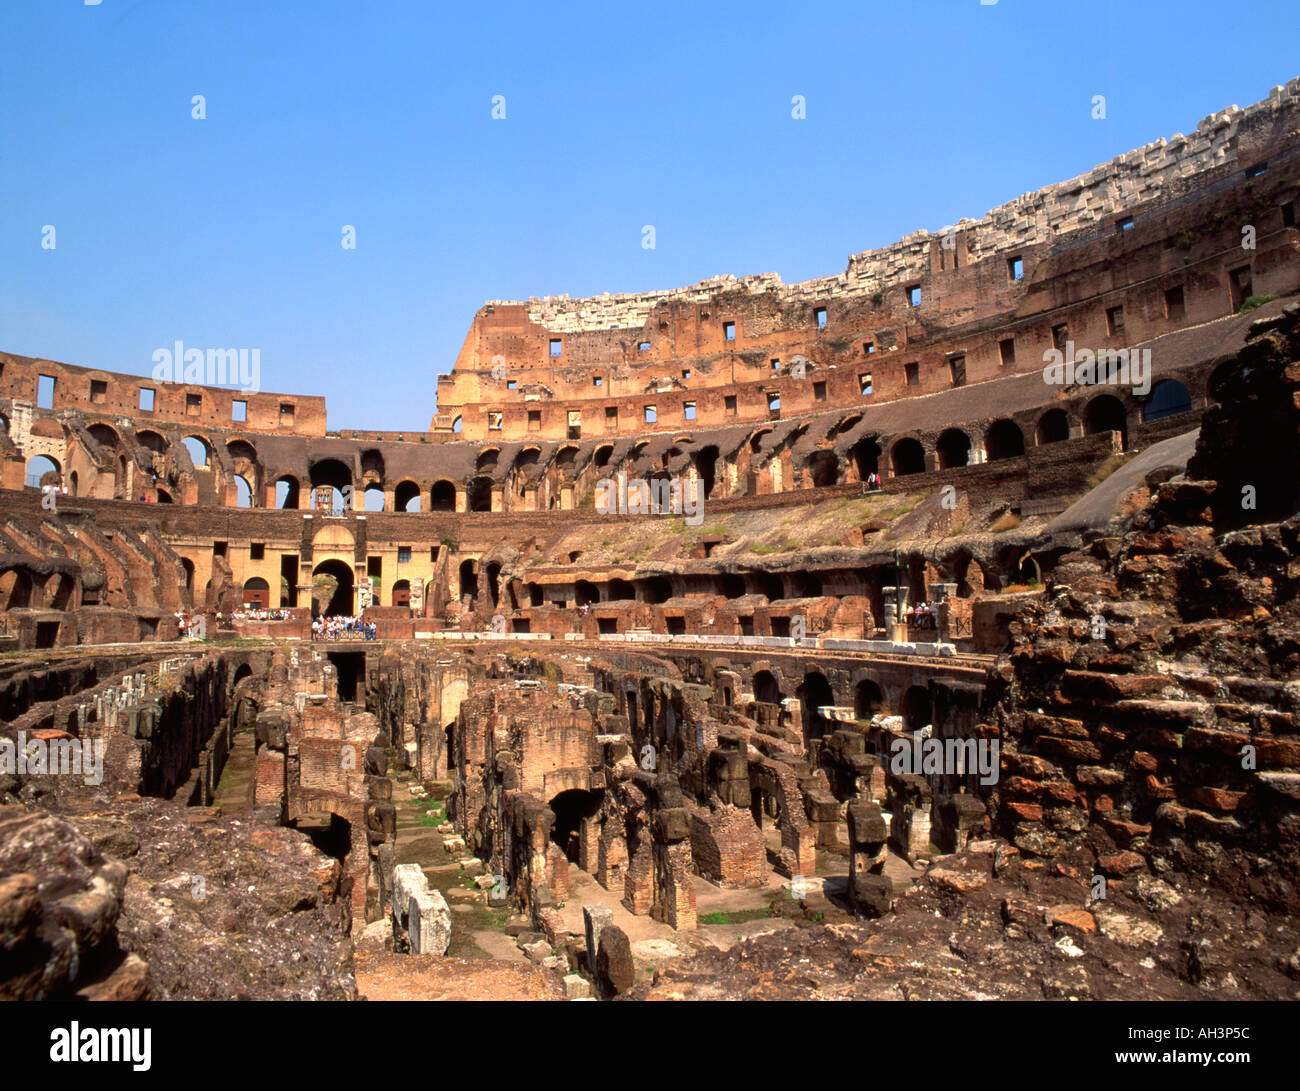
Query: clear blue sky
[(226, 232)]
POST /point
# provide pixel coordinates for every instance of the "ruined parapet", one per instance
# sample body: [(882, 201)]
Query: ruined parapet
[(958, 819), (909, 804), (871, 892), (421, 917)]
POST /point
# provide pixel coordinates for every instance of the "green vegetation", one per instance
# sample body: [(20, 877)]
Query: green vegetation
[(737, 916), (1251, 302)]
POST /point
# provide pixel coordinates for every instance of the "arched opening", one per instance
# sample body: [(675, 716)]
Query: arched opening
[(705, 462), (442, 497), (487, 460), (188, 566), (331, 591), (808, 585), (373, 499), (866, 456), (468, 582), (603, 454), (915, 708), (770, 585), (58, 591), (257, 593), (1168, 398), (243, 493), (406, 497), (1004, 440), (330, 834), (732, 585), (1053, 427), (241, 448), (152, 441), (571, 808), (766, 688), (1027, 571), (868, 700), (42, 470), (286, 492), (814, 693), (493, 587), (480, 494), (908, 457), (372, 466), (824, 466), (621, 591), (16, 589), (72, 487), (331, 473), (1105, 413), (952, 449), (585, 593), (199, 451), (402, 593), (658, 590), (164, 497)]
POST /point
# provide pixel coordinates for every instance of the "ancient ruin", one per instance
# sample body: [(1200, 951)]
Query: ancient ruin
[(928, 629)]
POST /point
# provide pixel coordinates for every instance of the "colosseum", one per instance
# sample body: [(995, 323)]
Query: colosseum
[(928, 629)]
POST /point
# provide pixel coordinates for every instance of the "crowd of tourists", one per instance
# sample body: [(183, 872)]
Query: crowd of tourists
[(921, 615), (249, 613), (342, 628)]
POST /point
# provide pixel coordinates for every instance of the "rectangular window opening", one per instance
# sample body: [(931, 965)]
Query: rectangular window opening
[(403, 554), (596, 380), (1114, 320), (239, 410), (914, 295), (494, 422), (643, 346), (286, 414), (911, 374), (1060, 335), (820, 314), (957, 370), (534, 420), (556, 346), (651, 414), (864, 383), (257, 551), (193, 405), (729, 330), (1174, 307), (45, 392), (688, 410), (819, 392), (1007, 351), (1016, 268), (729, 404), (98, 391), (146, 399)]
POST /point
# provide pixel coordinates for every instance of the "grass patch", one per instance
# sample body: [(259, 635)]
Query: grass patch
[(1006, 521), (1251, 302), (737, 916)]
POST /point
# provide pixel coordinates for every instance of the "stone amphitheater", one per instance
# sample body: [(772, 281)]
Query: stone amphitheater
[(870, 637)]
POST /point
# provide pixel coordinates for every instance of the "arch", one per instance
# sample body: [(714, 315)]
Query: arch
[(401, 595), (243, 492), (480, 494), (456, 425), (187, 566), (1168, 398), (604, 453), (487, 459), (1105, 413), (468, 581), (72, 487), (866, 456), (241, 448), (16, 589), (40, 467), (814, 692), (493, 586), (565, 457), (151, 440), (824, 466), (916, 709), (58, 591), (907, 457), (756, 440), (1027, 570), (529, 456), (952, 449), (705, 461), (808, 585), (372, 465), (372, 499), (406, 496), (257, 593), (868, 699), (331, 472), (770, 585), (766, 688), (1004, 440), (658, 590), (621, 591), (199, 449), (442, 497), (732, 585), (585, 593), (105, 435), (572, 808), (286, 491), (337, 597), (164, 497), (1053, 427)]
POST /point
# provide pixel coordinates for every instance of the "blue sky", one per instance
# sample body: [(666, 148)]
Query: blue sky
[(226, 232)]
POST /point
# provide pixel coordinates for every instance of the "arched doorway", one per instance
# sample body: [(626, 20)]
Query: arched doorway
[(1168, 398), (1004, 440), (908, 457), (442, 497), (813, 693), (332, 589), (1105, 413), (257, 593), (1053, 427), (952, 449), (766, 688), (916, 708), (868, 700)]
